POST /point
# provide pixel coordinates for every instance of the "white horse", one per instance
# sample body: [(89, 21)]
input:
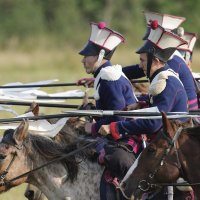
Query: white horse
[(73, 178)]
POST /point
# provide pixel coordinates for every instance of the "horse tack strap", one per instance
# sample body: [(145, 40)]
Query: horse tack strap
[(178, 132), (3, 175), (145, 185), (46, 164)]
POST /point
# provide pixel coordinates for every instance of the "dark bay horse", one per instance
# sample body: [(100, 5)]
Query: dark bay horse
[(174, 153)]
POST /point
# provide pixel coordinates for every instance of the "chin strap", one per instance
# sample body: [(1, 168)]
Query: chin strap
[(187, 56), (149, 63), (100, 58)]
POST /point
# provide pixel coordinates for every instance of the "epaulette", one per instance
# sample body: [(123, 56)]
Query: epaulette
[(111, 73), (159, 82)]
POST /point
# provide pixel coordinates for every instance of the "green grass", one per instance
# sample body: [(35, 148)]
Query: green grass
[(15, 193), (42, 64)]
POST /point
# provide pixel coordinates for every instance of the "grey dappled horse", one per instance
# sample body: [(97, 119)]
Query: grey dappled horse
[(77, 177)]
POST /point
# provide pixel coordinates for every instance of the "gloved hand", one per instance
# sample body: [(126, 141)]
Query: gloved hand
[(88, 127), (104, 130), (87, 82), (135, 106)]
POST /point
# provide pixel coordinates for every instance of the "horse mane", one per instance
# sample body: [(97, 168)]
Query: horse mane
[(44, 146), (194, 131), (178, 123), (52, 150), (188, 128)]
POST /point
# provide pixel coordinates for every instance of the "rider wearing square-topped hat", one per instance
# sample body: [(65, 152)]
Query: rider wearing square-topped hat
[(113, 90), (186, 51), (166, 91), (176, 61)]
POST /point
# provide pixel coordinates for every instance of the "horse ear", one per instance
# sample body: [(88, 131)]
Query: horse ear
[(167, 126), (21, 132), (85, 99), (34, 108)]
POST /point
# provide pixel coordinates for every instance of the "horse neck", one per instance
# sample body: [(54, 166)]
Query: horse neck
[(67, 136), (52, 181), (189, 158)]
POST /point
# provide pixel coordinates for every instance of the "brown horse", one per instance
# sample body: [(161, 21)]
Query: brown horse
[(172, 154)]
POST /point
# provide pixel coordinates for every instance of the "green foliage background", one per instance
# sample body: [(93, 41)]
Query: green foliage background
[(40, 39), (67, 21)]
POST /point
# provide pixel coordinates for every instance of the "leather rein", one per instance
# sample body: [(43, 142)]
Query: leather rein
[(146, 184)]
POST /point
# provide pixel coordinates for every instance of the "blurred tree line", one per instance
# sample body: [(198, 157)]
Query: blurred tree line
[(67, 21)]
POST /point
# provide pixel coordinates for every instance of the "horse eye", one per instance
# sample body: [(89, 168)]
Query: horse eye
[(2, 157)]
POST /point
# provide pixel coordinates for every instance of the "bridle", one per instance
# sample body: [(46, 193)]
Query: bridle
[(4, 173), (9, 141), (146, 184)]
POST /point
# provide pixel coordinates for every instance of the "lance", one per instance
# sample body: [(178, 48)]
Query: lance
[(101, 113), (53, 85), (136, 114), (60, 84), (61, 97), (53, 105), (39, 117), (38, 85)]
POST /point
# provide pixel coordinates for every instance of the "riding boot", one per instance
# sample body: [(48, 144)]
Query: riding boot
[(107, 191)]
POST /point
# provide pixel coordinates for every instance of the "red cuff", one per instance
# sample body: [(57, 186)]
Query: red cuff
[(114, 131), (143, 104)]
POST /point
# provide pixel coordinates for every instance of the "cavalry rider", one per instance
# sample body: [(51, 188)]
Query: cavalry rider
[(113, 90), (175, 62), (187, 52), (166, 91)]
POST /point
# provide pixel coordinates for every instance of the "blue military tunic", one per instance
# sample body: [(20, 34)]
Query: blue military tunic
[(167, 93), (179, 66), (113, 91)]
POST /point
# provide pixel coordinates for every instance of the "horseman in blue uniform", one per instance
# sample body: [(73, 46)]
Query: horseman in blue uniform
[(166, 91), (187, 52), (187, 49), (175, 62), (113, 90)]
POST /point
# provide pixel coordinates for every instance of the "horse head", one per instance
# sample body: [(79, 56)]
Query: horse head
[(70, 132), (158, 162), (12, 155)]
